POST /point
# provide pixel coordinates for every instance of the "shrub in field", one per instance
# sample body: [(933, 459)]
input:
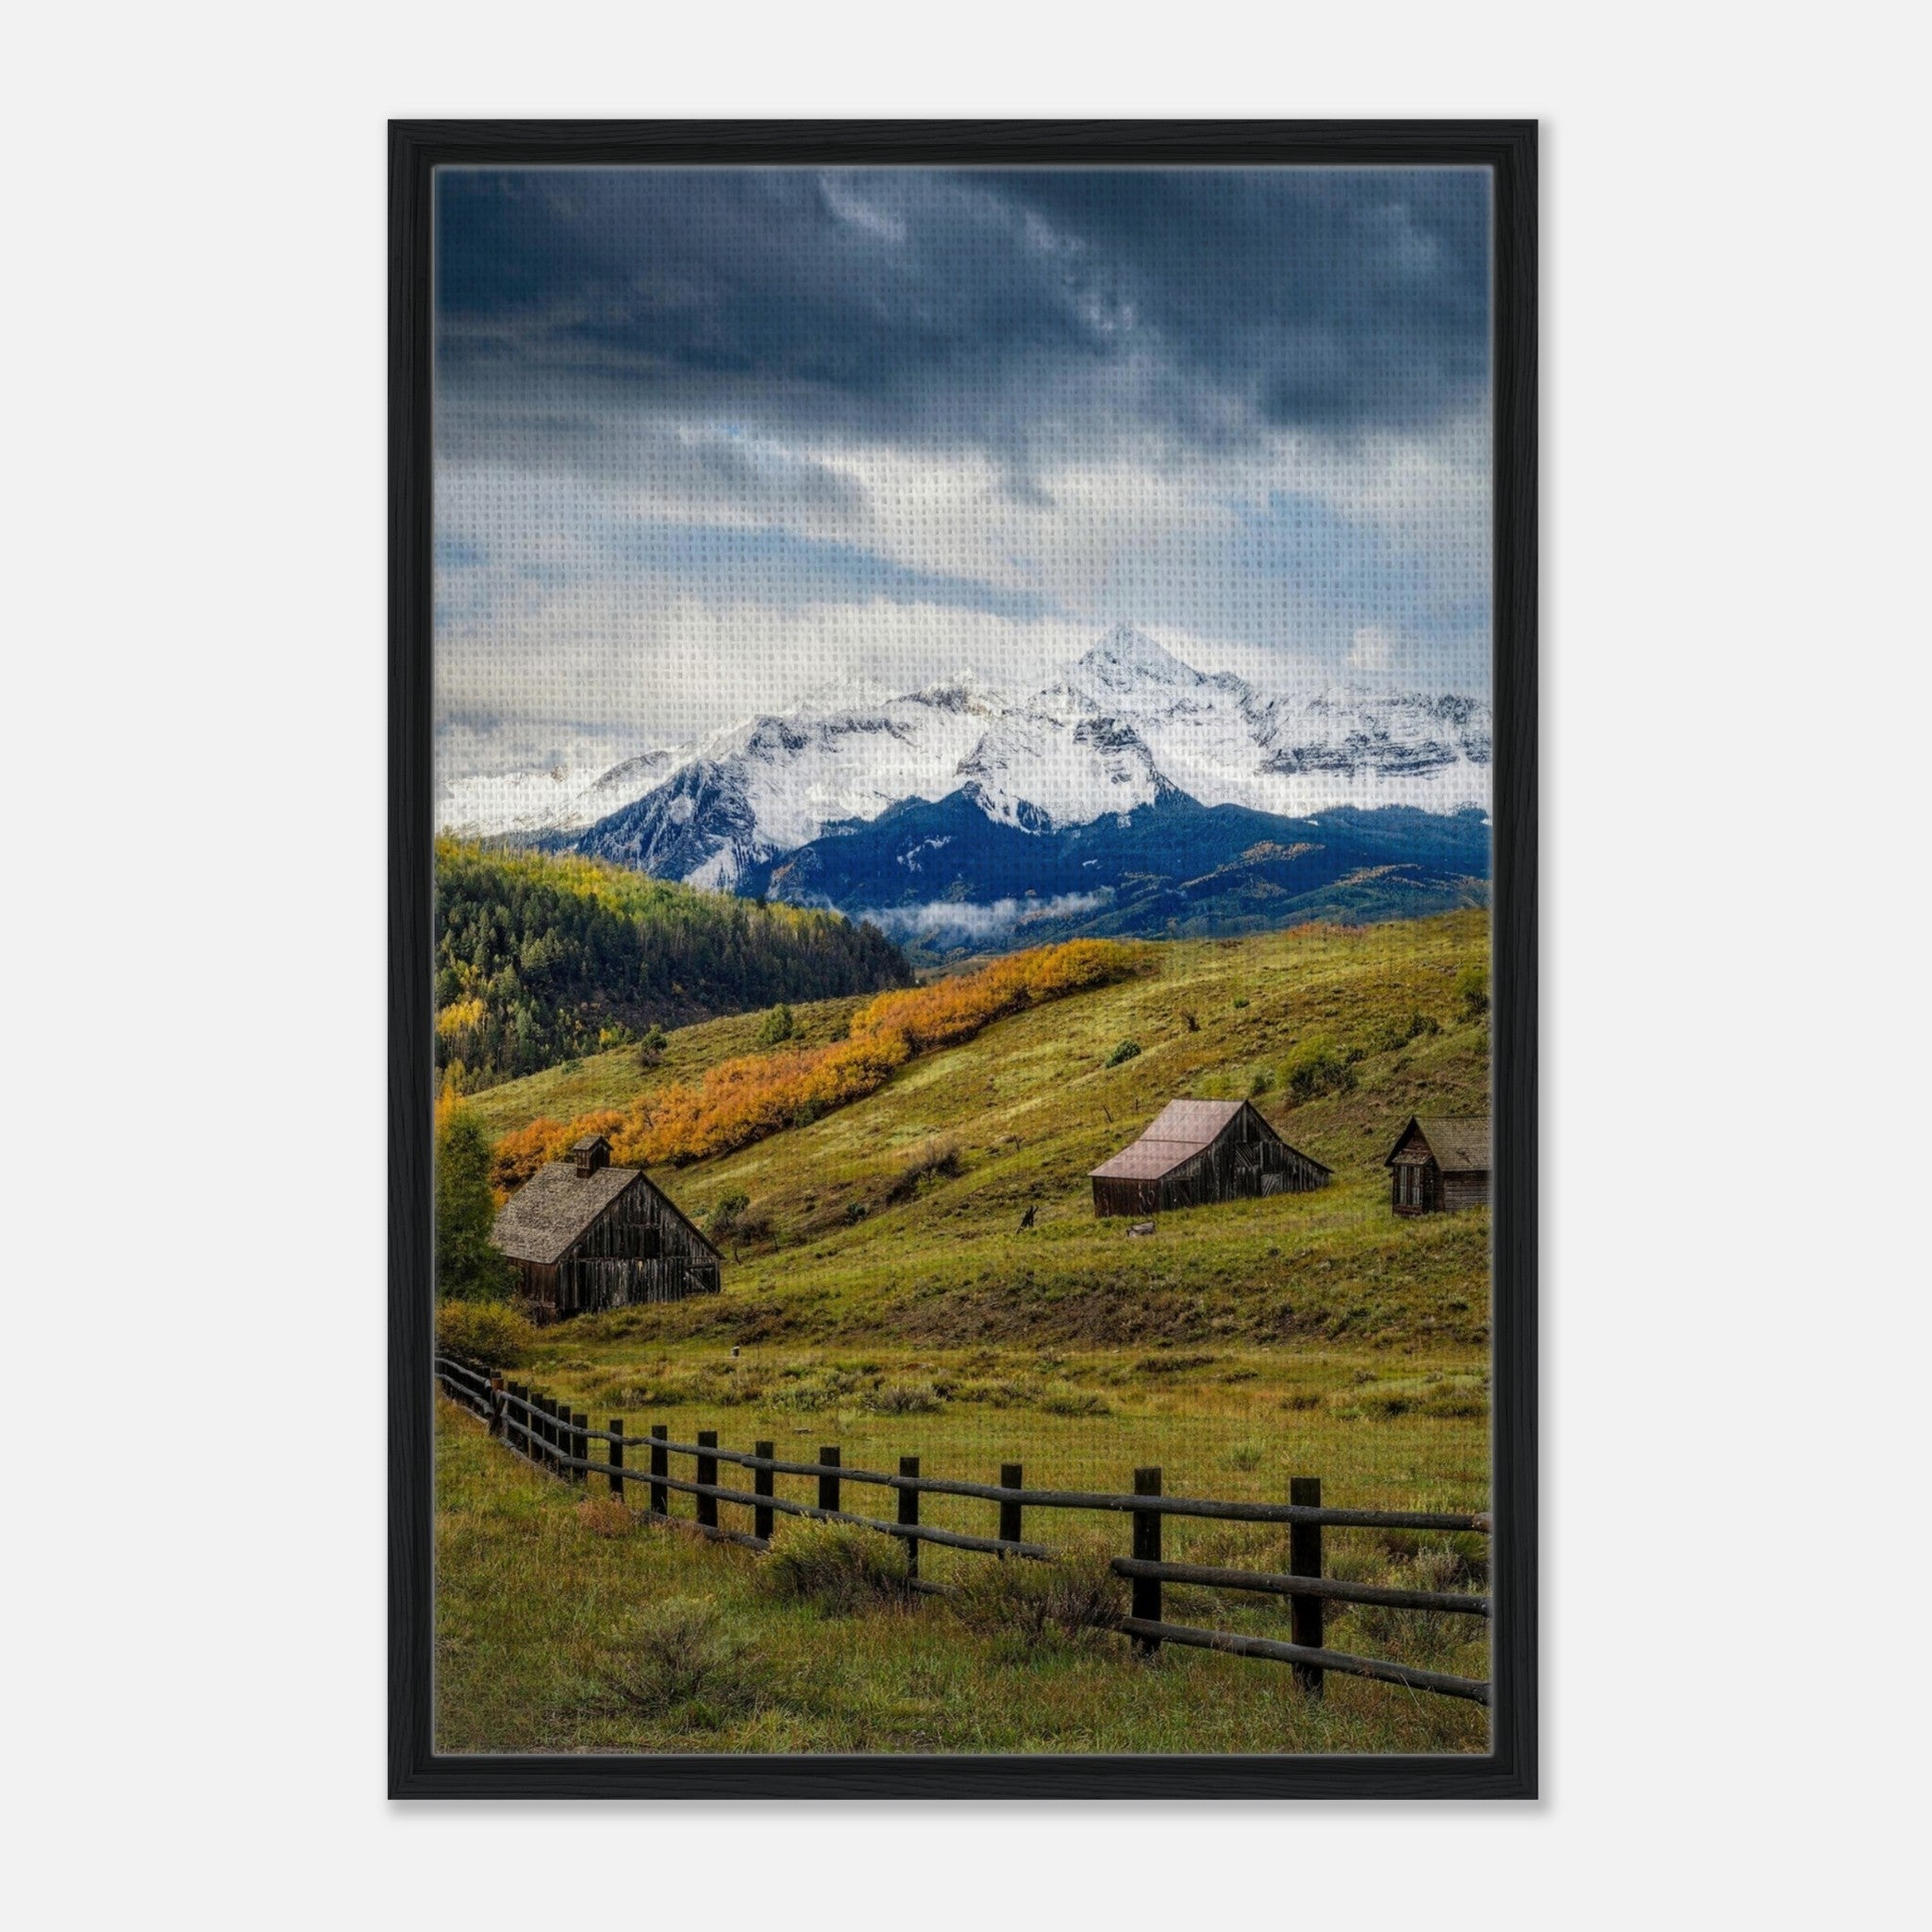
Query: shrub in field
[(1392, 1036), (933, 1159), (725, 1213), (1317, 1067), (1062, 1398), (778, 1026), (1472, 988), (807, 1391), (1126, 1050), (1030, 1605), (678, 1660), (837, 1566), (1457, 1402), (488, 1335), (905, 1398)]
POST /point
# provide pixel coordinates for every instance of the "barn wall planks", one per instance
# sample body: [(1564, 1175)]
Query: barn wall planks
[(639, 1249)]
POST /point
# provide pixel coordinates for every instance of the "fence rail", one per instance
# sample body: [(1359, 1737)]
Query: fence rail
[(559, 1439)]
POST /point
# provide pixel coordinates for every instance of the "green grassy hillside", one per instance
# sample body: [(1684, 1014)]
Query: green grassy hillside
[(899, 1216), (881, 1295)]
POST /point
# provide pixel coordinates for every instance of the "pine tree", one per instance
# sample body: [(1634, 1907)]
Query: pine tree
[(468, 1268)]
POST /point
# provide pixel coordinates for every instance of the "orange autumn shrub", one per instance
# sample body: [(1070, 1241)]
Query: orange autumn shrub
[(740, 1101), (952, 1010), (520, 1154)]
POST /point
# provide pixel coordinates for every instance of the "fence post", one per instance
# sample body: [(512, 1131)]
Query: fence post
[(539, 1423), (1305, 1559), (496, 1412), (762, 1485), (909, 1515), (707, 1473), (553, 1436), (1147, 1548), (1011, 1478), (519, 1422), (660, 1466), (828, 1484), (617, 1456), (580, 1446)]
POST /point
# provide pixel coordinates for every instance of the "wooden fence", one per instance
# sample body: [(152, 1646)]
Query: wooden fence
[(554, 1439)]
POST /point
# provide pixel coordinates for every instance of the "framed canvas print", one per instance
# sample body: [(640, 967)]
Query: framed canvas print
[(962, 1099)]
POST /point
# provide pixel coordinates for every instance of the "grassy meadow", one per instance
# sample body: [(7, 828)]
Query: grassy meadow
[(882, 1295), (566, 1624)]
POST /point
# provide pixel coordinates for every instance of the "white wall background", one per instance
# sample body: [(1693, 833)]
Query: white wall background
[(1736, 743)]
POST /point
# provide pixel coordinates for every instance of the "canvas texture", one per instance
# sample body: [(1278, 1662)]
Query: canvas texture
[(962, 783)]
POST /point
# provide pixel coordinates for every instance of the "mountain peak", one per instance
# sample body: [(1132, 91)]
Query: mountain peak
[(838, 696), (1129, 657)]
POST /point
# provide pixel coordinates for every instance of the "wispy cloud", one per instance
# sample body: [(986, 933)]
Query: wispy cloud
[(946, 918)]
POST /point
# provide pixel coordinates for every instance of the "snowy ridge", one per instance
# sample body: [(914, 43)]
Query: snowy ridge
[(1126, 726), (542, 799)]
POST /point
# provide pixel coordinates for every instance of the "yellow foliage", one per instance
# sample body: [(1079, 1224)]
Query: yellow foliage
[(954, 1009), (460, 1017), (740, 1101)]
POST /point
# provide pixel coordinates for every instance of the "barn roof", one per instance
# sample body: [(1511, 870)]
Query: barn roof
[(553, 1207), (557, 1205), (1181, 1130), (1460, 1146)]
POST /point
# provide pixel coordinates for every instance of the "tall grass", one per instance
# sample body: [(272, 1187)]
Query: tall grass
[(551, 1636)]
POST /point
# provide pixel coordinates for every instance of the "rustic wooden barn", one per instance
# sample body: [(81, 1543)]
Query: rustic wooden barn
[(583, 1235), (1197, 1151), (1440, 1166)]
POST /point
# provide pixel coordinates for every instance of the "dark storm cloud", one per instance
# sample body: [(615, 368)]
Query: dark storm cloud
[(948, 306)]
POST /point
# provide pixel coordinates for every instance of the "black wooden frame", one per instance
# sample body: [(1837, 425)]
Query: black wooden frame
[(1507, 148)]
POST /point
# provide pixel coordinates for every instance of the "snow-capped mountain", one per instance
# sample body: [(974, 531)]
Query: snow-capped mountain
[(544, 799), (776, 782), (1127, 724), (1221, 741)]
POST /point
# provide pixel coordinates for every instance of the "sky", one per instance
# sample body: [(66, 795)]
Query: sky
[(709, 441)]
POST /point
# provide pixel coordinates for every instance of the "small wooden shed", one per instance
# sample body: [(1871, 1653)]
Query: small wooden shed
[(1438, 1166), (584, 1235), (1196, 1150)]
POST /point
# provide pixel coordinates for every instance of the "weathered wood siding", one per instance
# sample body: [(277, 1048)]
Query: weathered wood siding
[(1461, 1190), (536, 1283), (639, 1249), (1273, 1167), (1415, 1182)]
